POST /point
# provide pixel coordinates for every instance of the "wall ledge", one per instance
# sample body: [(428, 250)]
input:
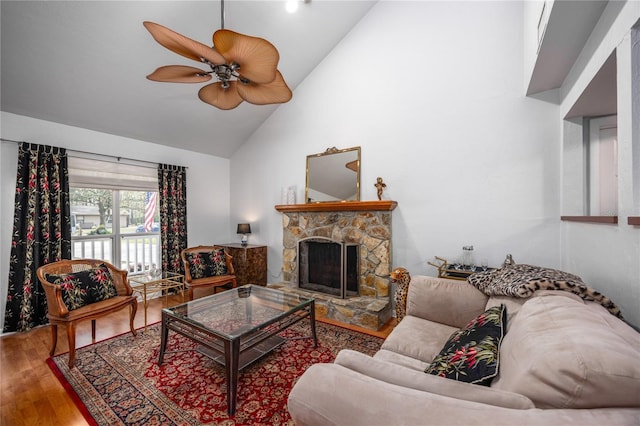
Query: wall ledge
[(591, 219), (633, 220), (344, 206)]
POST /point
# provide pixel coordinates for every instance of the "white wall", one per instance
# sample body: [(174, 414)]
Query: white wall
[(607, 257), (433, 93), (207, 178)]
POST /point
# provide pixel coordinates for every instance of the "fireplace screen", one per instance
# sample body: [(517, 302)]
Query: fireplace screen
[(328, 266)]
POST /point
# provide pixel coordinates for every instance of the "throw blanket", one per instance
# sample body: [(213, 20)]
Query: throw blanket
[(523, 280)]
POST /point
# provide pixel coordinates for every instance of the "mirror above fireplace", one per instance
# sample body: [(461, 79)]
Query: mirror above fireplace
[(333, 175)]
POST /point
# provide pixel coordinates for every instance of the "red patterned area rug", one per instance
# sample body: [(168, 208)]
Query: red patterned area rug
[(118, 381)]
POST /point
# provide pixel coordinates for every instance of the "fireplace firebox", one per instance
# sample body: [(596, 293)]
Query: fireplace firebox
[(328, 266)]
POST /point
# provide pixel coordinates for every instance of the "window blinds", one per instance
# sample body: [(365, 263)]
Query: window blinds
[(93, 173)]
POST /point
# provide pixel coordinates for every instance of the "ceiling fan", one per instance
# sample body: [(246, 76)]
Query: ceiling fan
[(245, 67)]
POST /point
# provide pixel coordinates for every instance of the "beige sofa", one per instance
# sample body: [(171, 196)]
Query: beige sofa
[(562, 361)]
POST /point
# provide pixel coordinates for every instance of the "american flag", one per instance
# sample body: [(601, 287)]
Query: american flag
[(150, 210)]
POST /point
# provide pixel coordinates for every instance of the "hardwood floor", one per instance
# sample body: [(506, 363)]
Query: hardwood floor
[(30, 394)]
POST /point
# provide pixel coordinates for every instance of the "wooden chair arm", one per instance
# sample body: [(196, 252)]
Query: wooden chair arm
[(53, 293), (187, 270), (121, 281), (230, 270)]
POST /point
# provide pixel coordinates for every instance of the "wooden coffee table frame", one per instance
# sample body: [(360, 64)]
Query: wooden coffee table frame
[(236, 353)]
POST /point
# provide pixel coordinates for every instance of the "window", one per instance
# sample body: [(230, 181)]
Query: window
[(590, 150), (114, 213), (602, 161)]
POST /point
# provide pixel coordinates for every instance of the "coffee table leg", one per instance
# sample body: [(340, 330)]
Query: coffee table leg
[(232, 360), (146, 305), (164, 334), (312, 318)]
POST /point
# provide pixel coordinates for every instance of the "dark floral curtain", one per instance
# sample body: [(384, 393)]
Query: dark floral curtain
[(172, 182), (41, 231)]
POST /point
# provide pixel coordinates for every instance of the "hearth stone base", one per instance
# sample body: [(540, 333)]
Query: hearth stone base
[(363, 311)]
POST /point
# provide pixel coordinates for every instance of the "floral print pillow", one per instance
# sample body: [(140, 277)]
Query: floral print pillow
[(472, 354), (85, 287), (207, 263)]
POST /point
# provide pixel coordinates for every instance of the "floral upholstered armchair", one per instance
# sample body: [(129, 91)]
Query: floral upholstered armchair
[(207, 266), (84, 289)]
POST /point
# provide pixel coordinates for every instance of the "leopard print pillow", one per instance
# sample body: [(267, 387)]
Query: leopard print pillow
[(523, 280)]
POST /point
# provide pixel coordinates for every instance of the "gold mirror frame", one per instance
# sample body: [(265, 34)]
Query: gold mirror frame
[(333, 175)]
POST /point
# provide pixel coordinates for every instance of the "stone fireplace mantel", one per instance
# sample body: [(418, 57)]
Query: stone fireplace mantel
[(366, 224), (345, 206)]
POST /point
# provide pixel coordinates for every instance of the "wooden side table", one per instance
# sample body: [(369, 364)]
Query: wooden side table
[(249, 262), (455, 271)]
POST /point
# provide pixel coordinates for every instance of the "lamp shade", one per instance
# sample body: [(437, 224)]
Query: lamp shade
[(244, 228)]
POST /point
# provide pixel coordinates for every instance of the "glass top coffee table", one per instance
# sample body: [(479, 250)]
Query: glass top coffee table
[(237, 327)]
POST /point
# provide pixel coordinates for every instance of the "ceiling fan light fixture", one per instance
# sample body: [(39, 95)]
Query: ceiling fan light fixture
[(246, 67)]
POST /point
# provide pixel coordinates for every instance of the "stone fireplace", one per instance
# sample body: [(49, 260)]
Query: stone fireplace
[(361, 226)]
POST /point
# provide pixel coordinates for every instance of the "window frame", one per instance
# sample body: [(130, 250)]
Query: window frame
[(128, 249)]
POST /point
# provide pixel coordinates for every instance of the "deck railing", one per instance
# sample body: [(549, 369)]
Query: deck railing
[(136, 253)]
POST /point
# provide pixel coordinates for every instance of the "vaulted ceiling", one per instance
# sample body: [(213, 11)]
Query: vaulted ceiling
[(84, 63)]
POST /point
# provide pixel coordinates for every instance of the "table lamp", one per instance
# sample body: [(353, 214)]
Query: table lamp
[(244, 229)]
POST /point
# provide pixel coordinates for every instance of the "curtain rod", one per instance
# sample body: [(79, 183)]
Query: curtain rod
[(76, 151)]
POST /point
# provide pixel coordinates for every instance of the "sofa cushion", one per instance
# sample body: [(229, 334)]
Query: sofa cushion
[(562, 352), (450, 302), (418, 338), (512, 305), (472, 354), (85, 287), (207, 263), (409, 378), (403, 360), (333, 395)]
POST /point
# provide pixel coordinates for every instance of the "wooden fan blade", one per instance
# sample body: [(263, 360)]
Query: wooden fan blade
[(276, 92), (258, 59), (183, 45), (215, 95), (179, 74)]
